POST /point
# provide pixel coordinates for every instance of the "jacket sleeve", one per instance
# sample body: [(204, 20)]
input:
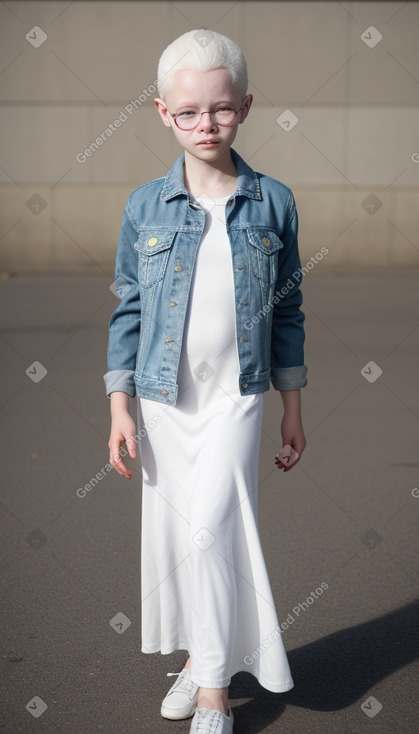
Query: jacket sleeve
[(288, 371), (125, 321)]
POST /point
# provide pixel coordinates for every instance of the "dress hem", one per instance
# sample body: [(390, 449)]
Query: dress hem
[(282, 687)]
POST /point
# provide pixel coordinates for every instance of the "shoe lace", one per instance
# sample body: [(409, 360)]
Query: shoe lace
[(184, 682), (208, 721)]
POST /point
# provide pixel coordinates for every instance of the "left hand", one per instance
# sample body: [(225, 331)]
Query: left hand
[(292, 435)]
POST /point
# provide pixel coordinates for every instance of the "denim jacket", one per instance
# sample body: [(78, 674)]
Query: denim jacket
[(160, 233)]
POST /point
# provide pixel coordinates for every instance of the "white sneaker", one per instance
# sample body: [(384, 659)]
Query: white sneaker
[(182, 698), (212, 721)]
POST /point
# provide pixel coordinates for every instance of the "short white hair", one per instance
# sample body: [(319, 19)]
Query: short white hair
[(202, 50)]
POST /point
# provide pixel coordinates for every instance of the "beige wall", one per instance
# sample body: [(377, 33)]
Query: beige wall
[(357, 133)]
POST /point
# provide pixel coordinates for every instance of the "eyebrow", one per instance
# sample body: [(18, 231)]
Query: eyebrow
[(193, 104)]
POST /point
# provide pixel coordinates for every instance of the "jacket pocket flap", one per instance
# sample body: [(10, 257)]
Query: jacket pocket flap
[(265, 240), (152, 242)]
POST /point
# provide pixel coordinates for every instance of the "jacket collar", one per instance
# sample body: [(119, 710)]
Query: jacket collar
[(247, 179)]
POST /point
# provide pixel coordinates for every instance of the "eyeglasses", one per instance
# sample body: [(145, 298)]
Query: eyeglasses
[(188, 119)]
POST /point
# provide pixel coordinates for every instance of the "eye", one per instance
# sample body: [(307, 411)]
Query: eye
[(225, 112), (186, 113)]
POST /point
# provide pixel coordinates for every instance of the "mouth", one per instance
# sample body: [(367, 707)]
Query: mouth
[(208, 143)]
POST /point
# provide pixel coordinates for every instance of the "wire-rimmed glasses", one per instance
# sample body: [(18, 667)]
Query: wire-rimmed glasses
[(188, 119)]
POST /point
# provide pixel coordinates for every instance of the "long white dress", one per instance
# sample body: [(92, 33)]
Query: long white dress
[(205, 587)]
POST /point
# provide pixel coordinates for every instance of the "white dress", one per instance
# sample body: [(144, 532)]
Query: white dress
[(205, 587)]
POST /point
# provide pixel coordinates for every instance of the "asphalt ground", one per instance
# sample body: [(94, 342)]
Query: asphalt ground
[(345, 516)]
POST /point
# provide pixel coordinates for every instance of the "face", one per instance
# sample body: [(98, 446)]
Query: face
[(203, 91)]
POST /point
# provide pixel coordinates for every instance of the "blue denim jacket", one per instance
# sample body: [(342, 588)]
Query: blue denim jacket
[(160, 233)]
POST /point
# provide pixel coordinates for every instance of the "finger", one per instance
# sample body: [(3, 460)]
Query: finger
[(287, 455), (121, 469), (285, 465), (288, 468), (291, 464), (118, 464), (131, 446), (279, 463)]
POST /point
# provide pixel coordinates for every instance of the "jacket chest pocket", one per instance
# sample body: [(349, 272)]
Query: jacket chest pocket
[(263, 254), (153, 253)]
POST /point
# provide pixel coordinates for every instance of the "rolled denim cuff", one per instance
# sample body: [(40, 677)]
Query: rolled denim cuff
[(120, 381), (289, 378)]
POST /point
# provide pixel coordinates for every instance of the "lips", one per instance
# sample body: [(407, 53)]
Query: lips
[(206, 142)]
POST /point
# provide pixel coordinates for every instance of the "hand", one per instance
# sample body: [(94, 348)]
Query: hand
[(123, 428), (293, 437)]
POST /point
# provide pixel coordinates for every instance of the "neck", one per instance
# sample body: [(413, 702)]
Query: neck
[(218, 178)]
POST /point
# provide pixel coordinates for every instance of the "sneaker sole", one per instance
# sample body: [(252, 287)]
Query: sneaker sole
[(166, 714)]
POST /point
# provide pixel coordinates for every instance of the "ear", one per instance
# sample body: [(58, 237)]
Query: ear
[(247, 103), (162, 110)]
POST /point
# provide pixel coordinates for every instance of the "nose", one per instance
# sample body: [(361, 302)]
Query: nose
[(205, 122)]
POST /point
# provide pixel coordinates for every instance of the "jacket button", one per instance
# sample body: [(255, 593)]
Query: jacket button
[(178, 267), (240, 267), (152, 241), (266, 241), (230, 202), (168, 339), (173, 303), (245, 384), (164, 392)]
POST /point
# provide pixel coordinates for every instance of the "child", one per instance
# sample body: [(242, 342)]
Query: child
[(207, 270)]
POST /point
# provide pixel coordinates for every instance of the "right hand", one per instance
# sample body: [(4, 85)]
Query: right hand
[(123, 429)]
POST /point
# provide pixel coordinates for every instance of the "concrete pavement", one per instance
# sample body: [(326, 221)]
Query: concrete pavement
[(345, 516)]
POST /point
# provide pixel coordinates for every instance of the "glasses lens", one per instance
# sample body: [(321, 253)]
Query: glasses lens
[(224, 116), (189, 119)]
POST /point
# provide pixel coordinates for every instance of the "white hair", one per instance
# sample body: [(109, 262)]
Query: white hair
[(202, 50)]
